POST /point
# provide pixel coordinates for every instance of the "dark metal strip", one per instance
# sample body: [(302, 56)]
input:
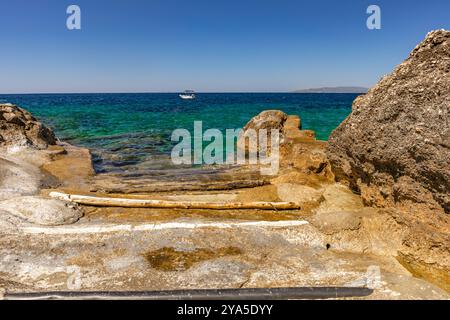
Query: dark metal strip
[(202, 294)]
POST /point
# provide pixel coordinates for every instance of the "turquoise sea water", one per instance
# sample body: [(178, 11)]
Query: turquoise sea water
[(125, 130)]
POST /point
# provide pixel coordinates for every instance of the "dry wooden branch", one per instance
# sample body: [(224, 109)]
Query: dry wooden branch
[(143, 203)]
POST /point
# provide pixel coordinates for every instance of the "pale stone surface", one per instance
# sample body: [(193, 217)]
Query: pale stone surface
[(339, 198), (17, 180), (335, 221), (290, 192), (9, 223), (42, 211), (265, 257)]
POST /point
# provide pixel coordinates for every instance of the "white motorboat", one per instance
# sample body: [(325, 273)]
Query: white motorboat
[(188, 95)]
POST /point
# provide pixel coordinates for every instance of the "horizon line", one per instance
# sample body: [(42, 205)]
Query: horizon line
[(177, 92)]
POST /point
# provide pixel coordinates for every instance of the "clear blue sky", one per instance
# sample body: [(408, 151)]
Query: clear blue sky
[(211, 45)]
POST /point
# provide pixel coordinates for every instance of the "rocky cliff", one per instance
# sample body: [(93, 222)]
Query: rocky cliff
[(394, 148), (19, 128)]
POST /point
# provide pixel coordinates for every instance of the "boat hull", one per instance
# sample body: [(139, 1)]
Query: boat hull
[(187, 97)]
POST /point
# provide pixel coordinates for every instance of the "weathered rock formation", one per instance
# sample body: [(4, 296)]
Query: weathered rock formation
[(24, 171), (302, 157), (394, 148), (289, 126), (269, 119), (19, 128)]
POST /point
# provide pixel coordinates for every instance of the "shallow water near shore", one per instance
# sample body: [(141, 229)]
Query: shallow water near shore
[(129, 132)]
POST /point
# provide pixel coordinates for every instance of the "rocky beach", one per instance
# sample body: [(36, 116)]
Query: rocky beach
[(368, 208)]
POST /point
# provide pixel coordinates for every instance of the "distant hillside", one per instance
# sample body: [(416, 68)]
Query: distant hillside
[(334, 90)]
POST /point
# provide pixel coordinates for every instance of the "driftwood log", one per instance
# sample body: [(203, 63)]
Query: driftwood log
[(148, 203)]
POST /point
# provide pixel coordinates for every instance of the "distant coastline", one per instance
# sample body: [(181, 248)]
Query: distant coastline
[(333, 90)]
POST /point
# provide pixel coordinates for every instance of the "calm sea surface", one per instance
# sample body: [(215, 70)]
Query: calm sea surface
[(133, 130)]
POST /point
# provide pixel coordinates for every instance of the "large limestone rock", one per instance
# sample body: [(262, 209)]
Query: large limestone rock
[(37, 210), (266, 120), (19, 128), (394, 149), (298, 149), (269, 119), (395, 146), (289, 126)]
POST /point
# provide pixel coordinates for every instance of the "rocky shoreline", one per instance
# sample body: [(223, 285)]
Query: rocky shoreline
[(364, 204)]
